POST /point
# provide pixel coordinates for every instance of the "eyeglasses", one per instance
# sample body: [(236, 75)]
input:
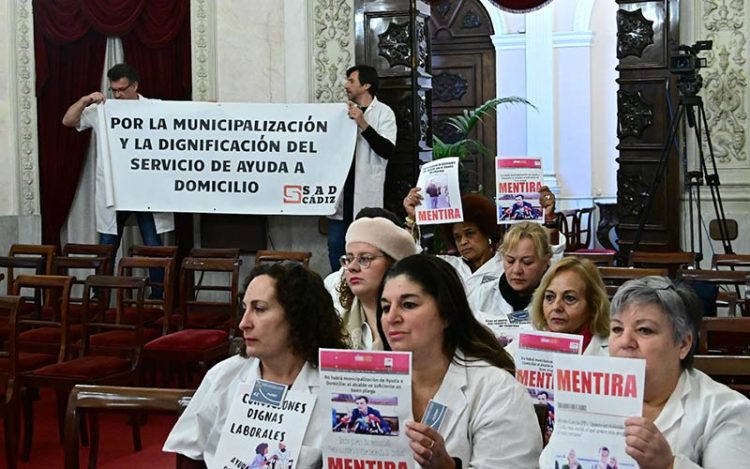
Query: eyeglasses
[(120, 90), (364, 260)]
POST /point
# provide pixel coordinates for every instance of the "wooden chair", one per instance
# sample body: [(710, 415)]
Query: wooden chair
[(731, 261), (567, 228), (262, 257), (153, 251), (222, 253), (672, 261), (613, 277), (724, 336), (731, 370), (157, 311), (602, 259), (207, 325), (106, 251), (29, 265), (89, 364), (117, 399), (725, 280), (44, 251), (8, 384), (79, 266)]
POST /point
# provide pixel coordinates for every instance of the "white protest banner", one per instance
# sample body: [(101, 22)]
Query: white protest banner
[(258, 435), (594, 397), (441, 193), (518, 183), (370, 398), (534, 366), (177, 156)]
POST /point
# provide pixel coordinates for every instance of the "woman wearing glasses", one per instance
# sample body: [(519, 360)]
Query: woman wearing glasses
[(372, 246), (490, 421), (288, 316)]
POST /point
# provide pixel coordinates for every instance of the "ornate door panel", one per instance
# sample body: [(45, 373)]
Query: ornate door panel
[(647, 31), (391, 35), (463, 71)]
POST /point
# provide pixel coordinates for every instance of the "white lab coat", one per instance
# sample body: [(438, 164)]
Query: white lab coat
[(490, 271), (369, 167), (196, 434), (106, 215), (704, 422), (490, 422)]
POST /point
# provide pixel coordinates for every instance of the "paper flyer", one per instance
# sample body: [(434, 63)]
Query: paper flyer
[(506, 327), (369, 394), (518, 183), (594, 397), (260, 435), (534, 366), (441, 193)]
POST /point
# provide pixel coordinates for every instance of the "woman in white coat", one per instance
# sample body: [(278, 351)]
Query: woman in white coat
[(689, 420), (490, 421), (572, 299), (288, 316)]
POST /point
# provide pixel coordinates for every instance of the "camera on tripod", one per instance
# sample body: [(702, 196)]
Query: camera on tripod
[(686, 59)]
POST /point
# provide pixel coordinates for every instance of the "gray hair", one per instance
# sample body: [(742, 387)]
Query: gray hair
[(678, 302)]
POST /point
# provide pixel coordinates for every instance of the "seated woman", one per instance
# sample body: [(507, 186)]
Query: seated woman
[(288, 316), (571, 299), (689, 420), (503, 305), (372, 246), (490, 421)]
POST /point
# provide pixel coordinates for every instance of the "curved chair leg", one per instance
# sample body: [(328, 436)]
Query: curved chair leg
[(93, 418), (11, 438), (27, 403)]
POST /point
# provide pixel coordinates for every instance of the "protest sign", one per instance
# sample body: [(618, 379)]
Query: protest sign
[(518, 183), (261, 435), (440, 192), (594, 397), (176, 156), (370, 398)]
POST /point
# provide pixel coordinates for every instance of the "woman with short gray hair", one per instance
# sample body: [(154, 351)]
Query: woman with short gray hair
[(657, 320)]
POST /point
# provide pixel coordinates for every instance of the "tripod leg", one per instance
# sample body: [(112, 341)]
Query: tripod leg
[(712, 180)]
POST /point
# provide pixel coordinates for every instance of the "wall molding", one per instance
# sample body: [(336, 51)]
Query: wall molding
[(332, 48), (203, 49), (24, 97)]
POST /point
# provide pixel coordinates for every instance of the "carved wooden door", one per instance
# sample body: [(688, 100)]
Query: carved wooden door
[(647, 31), (463, 77)]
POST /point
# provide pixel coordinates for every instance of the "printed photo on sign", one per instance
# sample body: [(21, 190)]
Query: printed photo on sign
[(434, 414), (519, 207), (268, 392), (441, 195), (518, 183), (370, 415)]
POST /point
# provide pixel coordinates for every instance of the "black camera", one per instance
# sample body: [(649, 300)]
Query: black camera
[(686, 59)]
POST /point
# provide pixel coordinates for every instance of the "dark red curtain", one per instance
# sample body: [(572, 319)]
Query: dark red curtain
[(519, 6), (70, 40)]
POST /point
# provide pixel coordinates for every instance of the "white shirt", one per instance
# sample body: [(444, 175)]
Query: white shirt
[(106, 216), (490, 423), (196, 434), (488, 272)]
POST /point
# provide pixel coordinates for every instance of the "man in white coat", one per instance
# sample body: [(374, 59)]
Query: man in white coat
[(376, 143), (86, 113)]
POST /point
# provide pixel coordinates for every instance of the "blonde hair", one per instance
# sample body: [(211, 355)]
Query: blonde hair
[(528, 230), (597, 300)]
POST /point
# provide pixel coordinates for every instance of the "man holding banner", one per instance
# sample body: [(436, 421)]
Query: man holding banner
[(376, 143), (87, 113)]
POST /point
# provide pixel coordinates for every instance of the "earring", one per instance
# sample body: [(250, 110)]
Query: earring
[(489, 241)]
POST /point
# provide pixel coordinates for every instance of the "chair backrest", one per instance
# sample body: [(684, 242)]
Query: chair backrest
[(613, 277), (190, 301), (731, 261), (724, 336), (106, 251), (57, 288), (45, 251), (119, 399), (603, 259), (81, 267), (168, 284), (723, 279), (38, 266), (121, 286), (263, 256), (219, 253), (673, 261), (585, 220), (153, 251), (568, 227), (8, 320), (731, 370)]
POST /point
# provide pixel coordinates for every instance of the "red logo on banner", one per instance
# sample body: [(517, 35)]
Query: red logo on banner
[(292, 194)]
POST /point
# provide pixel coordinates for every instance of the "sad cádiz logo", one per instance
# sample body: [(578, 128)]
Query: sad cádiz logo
[(309, 195)]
